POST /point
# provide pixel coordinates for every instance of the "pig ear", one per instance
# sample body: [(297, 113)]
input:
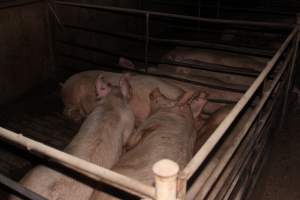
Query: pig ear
[(102, 87), (123, 62), (125, 86), (198, 104)]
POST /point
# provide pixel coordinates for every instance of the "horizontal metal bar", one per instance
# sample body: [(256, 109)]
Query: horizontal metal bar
[(205, 186), (195, 65), (19, 189), (218, 87), (17, 3), (205, 150), (249, 142), (238, 49), (160, 14), (134, 37), (140, 38), (270, 12), (82, 166)]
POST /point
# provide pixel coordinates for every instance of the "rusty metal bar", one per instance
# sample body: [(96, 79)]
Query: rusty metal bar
[(205, 150), (160, 14)]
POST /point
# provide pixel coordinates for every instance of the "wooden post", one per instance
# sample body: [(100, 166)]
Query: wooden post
[(166, 172)]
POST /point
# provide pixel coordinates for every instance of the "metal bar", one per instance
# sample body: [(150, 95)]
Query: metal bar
[(91, 170), (134, 37), (160, 14), (261, 127), (147, 42), (214, 175), (205, 150), (199, 8), (219, 87), (18, 3), (197, 65), (239, 49), (57, 19), (226, 8), (218, 8), (194, 44), (19, 189), (291, 72), (166, 172)]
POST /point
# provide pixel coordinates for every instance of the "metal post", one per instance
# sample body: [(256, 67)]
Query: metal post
[(199, 8), (166, 172), (181, 187), (291, 72), (218, 8), (147, 42)]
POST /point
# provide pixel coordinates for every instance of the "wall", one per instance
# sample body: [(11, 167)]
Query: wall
[(24, 52)]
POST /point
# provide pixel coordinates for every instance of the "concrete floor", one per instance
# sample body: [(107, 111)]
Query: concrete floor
[(280, 177)]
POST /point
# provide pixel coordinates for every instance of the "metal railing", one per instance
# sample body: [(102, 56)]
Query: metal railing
[(170, 182)]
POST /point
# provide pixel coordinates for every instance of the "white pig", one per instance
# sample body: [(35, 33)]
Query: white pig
[(79, 95), (99, 140), (168, 133)]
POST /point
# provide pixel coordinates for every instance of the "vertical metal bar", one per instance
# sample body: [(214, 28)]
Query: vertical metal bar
[(181, 187), (291, 72), (218, 8), (166, 172), (51, 35), (147, 42), (52, 8), (199, 8)]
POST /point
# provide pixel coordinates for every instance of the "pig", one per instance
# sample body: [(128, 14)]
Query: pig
[(250, 64), (100, 140), (210, 125), (181, 54), (79, 97), (78, 93), (214, 93), (168, 133), (204, 76)]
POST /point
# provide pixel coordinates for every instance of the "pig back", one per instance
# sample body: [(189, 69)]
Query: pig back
[(165, 135), (142, 86)]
